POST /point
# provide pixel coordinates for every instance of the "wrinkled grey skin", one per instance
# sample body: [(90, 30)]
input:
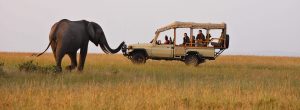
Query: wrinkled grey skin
[(67, 37)]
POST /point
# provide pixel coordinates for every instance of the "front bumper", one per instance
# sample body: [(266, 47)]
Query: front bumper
[(124, 50)]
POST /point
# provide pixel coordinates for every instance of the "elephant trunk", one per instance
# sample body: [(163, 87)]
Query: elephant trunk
[(106, 48)]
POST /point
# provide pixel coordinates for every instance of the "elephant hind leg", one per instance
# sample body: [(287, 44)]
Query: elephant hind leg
[(73, 61), (53, 47), (58, 63), (58, 58)]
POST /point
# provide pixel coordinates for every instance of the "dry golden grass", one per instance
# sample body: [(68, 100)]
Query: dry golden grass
[(112, 82)]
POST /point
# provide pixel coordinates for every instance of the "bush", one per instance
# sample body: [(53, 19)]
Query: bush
[(30, 66)]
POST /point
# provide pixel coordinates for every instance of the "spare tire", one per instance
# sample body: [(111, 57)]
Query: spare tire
[(227, 41)]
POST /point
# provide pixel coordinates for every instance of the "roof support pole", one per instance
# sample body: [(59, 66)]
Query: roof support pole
[(191, 37), (174, 40)]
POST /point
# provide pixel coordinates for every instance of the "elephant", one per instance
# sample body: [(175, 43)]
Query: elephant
[(67, 37)]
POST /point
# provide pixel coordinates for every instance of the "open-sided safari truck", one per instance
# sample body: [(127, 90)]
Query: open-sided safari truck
[(194, 52)]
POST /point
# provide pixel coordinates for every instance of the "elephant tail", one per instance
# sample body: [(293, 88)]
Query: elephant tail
[(55, 27), (43, 51)]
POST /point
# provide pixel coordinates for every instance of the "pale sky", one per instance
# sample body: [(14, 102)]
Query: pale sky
[(256, 27)]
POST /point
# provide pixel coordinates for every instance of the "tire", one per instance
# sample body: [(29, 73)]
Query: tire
[(192, 60), (138, 58)]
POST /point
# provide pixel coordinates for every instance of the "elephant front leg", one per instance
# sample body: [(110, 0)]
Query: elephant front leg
[(73, 62), (82, 57)]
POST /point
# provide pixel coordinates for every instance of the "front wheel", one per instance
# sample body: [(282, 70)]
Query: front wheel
[(138, 58), (192, 60)]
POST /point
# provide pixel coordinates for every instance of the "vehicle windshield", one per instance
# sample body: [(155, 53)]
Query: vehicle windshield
[(165, 38)]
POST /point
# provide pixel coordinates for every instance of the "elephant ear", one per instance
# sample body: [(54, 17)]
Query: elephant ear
[(92, 33)]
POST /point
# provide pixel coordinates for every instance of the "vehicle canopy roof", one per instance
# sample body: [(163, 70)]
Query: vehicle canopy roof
[(192, 25)]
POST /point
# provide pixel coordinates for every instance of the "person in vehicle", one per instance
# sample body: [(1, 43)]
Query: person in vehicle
[(186, 39), (171, 41), (208, 37), (207, 40), (200, 39), (166, 40), (193, 40)]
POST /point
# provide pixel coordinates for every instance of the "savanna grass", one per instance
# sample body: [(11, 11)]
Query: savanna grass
[(112, 82)]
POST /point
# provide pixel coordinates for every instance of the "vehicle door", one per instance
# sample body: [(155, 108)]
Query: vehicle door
[(162, 50), (179, 51)]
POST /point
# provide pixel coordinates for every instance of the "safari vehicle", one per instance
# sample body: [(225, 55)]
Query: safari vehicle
[(193, 53)]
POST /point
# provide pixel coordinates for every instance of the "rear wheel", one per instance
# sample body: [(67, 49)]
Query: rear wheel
[(138, 58), (193, 60)]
